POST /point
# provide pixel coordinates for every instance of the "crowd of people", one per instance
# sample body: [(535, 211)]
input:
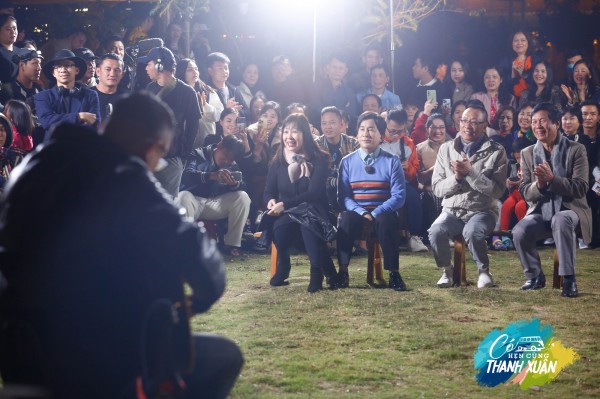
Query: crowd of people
[(322, 162)]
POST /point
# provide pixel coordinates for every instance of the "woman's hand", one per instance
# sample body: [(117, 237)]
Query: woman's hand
[(518, 67), (271, 203), (429, 106), (277, 209), (568, 93), (231, 103)]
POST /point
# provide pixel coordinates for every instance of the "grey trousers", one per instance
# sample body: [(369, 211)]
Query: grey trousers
[(532, 228), (170, 176), (475, 231)]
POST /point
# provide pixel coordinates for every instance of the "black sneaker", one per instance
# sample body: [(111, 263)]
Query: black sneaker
[(343, 279), (569, 290), (396, 282)]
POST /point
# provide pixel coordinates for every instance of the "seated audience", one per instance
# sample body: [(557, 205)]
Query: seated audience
[(555, 183), (296, 187), (396, 142), (212, 188), (372, 190), (470, 175)]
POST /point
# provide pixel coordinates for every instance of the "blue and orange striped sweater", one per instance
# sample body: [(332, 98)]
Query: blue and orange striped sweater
[(383, 190)]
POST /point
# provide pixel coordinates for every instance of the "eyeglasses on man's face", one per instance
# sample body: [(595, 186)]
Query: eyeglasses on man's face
[(64, 66), (472, 123)]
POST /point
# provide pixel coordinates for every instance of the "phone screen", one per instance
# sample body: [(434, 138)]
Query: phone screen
[(432, 96), (241, 122)]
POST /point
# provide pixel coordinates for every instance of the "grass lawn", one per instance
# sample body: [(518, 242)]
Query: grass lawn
[(361, 342)]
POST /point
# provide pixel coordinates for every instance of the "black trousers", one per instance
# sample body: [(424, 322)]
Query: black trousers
[(287, 232), (386, 228)]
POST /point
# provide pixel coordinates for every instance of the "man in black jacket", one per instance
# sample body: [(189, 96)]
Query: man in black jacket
[(212, 188), (90, 267), (183, 101)]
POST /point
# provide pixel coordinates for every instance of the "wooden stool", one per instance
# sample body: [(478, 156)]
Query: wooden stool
[(273, 259), (557, 281), (374, 264), (459, 273)]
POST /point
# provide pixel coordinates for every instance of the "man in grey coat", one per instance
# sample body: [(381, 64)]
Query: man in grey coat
[(555, 182)]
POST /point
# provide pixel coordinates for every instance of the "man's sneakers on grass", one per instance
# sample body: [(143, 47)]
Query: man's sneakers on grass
[(446, 280), (415, 244), (485, 279)]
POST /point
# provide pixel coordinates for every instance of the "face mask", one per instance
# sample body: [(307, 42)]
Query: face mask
[(570, 67), (161, 165)]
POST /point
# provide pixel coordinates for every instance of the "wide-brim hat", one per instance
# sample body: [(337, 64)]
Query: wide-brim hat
[(63, 55)]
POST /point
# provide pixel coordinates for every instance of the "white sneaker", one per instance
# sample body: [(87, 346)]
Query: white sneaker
[(582, 244), (446, 280), (416, 245), (485, 279), (549, 241)]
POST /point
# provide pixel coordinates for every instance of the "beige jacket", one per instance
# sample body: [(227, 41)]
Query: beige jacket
[(477, 192)]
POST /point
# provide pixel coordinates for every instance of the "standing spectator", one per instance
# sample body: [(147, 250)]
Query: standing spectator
[(181, 98), (75, 39), (283, 86), (515, 73), (209, 101), (218, 71), (338, 145), (427, 152), (541, 87), (69, 100), (494, 97), (249, 86), (371, 189), (582, 84), (555, 182), (332, 91), (89, 79), (424, 70), (396, 142), (379, 81), (361, 80), (460, 87), (110, 72), (25, 86), (469, 175), (8, 37)]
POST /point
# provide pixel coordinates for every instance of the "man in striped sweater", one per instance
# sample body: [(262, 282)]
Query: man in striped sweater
[(371, 187)]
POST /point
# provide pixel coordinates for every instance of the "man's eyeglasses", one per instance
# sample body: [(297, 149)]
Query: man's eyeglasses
[(64, 66), (472, 123), (396, 131)]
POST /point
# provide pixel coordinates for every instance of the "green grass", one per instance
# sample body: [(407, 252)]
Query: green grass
[(361, 342)]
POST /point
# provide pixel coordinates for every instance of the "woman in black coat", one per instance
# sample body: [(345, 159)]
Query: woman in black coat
[(296, 179)]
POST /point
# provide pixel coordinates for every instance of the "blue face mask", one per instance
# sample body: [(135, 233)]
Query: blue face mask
[(570, 67)]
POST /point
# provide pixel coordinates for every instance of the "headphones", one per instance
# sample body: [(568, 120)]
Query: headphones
[(158, 65), (75, 91)]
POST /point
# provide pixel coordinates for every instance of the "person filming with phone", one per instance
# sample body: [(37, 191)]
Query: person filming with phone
[(212, 188)]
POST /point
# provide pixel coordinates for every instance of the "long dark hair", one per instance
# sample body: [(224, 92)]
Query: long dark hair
[(466, 69), (180, 71), (504, 95), (19, 114), (9, 132), (532, 86), (226, 111), (309, 147), (592, 81)]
